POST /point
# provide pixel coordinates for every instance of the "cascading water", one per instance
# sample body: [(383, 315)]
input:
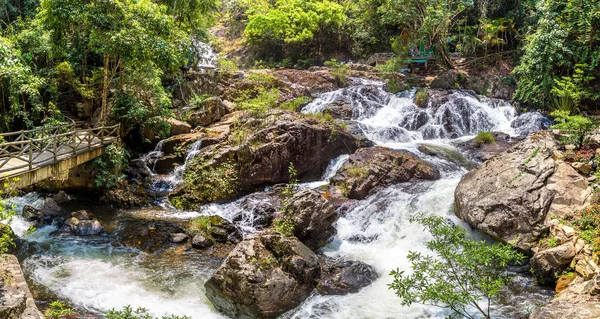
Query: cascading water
[(165, 184), (207, 57), (97, 274)]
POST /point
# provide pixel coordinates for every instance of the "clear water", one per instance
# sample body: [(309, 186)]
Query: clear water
[(98, 274)]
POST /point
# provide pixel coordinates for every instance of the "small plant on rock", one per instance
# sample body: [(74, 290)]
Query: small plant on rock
[(576, 128), (484, 138), (339, 71), (140, 313), (421, 97), (58, 309)]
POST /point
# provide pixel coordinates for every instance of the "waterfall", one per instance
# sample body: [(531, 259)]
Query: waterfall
[(207, 57), (152, 157), (98, 274)]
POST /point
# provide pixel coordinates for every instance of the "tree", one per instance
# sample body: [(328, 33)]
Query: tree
[(576, 127), (427, 22), (564, 37), (19, 89), (132, 43), (294, 25), (465, 275)]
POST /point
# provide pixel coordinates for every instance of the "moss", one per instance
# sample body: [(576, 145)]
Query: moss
[(421, 97), (484, 138), (359, 172), (202, 225), (284, 227)]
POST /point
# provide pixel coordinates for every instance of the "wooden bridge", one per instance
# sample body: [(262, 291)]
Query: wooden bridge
[(28, 157)]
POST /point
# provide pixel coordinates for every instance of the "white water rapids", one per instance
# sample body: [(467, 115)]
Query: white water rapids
[(98, 274)]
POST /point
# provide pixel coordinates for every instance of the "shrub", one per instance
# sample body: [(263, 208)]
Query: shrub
[(584, 155), (207, 183), (140, 313), (264, 100), (484, 138), (339, 72), (226, 65), (421, 97), (575, 127), (587, 222), (203, 224), (463, 273), (295, 104), (57, 310), (284, 227), (110, 166)]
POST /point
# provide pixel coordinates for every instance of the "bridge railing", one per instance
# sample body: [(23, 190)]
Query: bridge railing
[(25, 150)]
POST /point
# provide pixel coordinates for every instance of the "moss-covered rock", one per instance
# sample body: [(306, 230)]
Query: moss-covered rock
[(373, 168)]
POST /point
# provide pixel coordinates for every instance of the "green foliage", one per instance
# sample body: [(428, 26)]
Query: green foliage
[(207, 183), (110, 166), (294, 27), (464, 272), (552, 242), (128, 313), (57, 310), (562, 41), (226, 65), (575, 127), (264, 100), (203, 224), (295, 104), (425, 22), (484, 138), (20, 100), (284, 227), (587, 223), (339, 72), (288, 191)]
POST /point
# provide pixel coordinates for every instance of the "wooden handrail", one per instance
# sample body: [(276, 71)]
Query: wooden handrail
[(34, 152)]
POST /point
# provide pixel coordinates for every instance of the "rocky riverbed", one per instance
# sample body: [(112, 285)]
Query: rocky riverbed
[(218, 230)]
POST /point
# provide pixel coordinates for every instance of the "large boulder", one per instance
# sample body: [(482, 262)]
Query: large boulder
[(266, 275), (371, 169), (312, 217), (261, 150), (211, 110), (156, 128), (512, 196), (344, 277)]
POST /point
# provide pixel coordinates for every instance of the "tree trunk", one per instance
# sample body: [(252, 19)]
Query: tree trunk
[(104, 88), (444, 55)]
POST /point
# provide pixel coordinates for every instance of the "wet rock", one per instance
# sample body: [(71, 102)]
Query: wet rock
[(146, 235), (530, 122), (266, 275), (215, 228), (61, 197), (178, 238), (549, 262), (480, 153), (89, 227), (201, 242), (340, 109), (51, 208), (446, 153), (81, 215), (167, 163), (31, 214), (374, 168), (312, 217), (344, 277), (512, 196), (258, 209)]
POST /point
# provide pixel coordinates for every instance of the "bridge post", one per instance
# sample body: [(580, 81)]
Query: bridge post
[(30, 155), (54, 148), (74, 146)]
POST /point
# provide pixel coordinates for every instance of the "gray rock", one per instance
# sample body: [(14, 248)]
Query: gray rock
[(344, 277), (51, 208), (512, 196), (266, 275), (82, 227), (547, 263), (178, 238), (201, 242), (313, 218)]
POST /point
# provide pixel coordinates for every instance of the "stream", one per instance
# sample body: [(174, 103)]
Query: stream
[(97, 274)]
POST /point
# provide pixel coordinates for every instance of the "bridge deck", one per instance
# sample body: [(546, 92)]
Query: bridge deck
[(17, 166), (51, 150)]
